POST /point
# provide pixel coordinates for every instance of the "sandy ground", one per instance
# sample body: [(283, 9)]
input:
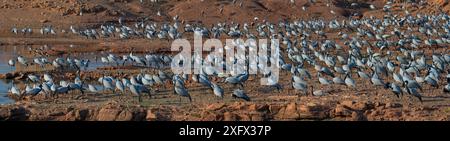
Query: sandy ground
[(361, 103)]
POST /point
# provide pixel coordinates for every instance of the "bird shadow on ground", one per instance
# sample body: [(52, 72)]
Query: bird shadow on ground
[(432, 100), (439, 96)]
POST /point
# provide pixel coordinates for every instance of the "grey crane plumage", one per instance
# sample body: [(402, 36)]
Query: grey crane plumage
[(32, 91), (182, 91), (92, 89), (218, 91), (238, 93), (233, 80), (349, 81), (446, 88), (136, 91), (12, 63), (107, 84), (299, 84), (33, 78), (22, 60), (14, 90), (413, 92), (48, 78), (317, 92), (338, 80), (322, 80), (396, 90)]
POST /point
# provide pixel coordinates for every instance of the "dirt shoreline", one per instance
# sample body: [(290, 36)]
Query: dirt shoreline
[(346, 110)]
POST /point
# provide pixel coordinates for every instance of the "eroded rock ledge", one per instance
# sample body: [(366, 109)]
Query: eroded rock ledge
[(238, 111)]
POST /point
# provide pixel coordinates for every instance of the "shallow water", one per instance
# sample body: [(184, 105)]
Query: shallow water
[(6, 53), (11, 52), (4, 92)]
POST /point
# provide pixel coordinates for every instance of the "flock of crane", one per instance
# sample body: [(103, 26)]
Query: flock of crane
[(395, 56)]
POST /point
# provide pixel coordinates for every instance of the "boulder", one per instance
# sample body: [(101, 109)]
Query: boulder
[(106, 114), (228, 116)]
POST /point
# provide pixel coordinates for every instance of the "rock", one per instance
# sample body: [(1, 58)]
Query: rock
[(44, 21), (357, 116), (81, 114), (362, 106), (4, 114), (18, 113), (8, 76), (158, 115), (348, 103), (238, 106), (106, 114), (57, 113), (313, 111), (94, 9), (125, 115), (20, 76), (228, 116), (342, 111), (139, 115), (214, 107), (258, 107), (274, 109), (374, 113), (136, 8), (257, 117), (393, 113), (378, 104), (71, 116), (211, 116), (252, 107), (244, 117), (151, 116), (393, 105), (291, 109), (288, 112)]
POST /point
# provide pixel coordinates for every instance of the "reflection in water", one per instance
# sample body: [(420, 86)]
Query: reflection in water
[(4, 86), (6, 53), (11, 52)]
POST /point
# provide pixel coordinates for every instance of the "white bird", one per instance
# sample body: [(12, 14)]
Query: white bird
[(11, 63), (332, 12)]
